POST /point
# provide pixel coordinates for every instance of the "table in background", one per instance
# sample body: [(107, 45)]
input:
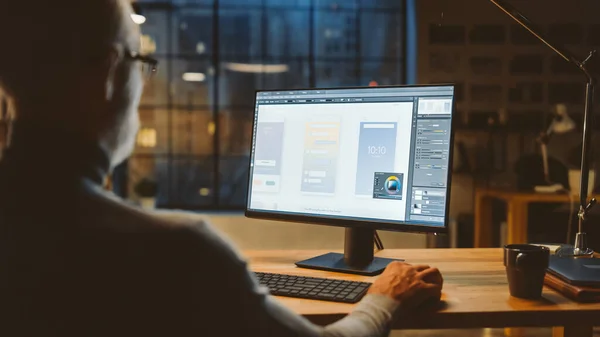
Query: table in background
[(517, 204), (475, 293)]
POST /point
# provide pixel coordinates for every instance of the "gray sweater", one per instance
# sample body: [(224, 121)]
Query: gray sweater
[(77, 261)]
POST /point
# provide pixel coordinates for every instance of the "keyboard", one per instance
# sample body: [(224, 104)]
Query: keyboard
[(314, 288)]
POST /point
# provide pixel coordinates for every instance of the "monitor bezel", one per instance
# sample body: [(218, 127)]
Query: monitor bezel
[(350, 223)]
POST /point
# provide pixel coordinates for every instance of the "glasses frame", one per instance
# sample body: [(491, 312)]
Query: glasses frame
[(135, 56)]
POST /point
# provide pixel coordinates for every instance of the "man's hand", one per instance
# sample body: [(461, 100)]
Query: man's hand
[(409, 285)]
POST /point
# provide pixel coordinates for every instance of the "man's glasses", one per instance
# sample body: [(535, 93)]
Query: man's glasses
[(148, 65)]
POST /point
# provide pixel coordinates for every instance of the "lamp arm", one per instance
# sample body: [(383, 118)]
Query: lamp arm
[(522, 20)]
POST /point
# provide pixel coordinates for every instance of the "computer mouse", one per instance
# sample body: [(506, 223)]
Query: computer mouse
[(433, 304)]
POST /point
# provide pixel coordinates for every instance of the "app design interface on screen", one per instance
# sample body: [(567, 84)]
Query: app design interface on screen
[(361, 154)]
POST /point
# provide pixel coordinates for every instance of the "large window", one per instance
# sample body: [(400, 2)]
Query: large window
[(197, 111)]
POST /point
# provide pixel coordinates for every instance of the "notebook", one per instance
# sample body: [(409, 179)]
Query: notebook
[(578, 272)]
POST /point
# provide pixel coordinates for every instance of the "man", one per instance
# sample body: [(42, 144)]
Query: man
[(76, 260)]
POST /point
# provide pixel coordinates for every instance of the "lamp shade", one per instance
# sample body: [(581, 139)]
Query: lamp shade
[(562, 122)]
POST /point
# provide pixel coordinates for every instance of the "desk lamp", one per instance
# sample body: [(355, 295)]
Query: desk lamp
[(580, 248)]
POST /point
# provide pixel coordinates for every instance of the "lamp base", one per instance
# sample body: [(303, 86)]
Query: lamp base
[(580, 249), (571, 251)]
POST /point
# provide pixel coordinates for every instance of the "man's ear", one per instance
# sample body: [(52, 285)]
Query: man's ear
[(112, 62)]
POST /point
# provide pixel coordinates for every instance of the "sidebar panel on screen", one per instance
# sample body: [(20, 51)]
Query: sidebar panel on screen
[(376, 153), (321, 152), (267, 157)]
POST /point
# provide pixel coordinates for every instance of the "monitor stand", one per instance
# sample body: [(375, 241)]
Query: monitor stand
[(357, 258)]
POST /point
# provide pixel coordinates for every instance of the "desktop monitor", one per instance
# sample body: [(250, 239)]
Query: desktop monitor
[(362, 158)]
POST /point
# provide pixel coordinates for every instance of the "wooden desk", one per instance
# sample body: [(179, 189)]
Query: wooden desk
[(516, 216), (475, 293)]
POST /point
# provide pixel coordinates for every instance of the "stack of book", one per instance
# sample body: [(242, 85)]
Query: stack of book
[(576, 293), (577, 279)]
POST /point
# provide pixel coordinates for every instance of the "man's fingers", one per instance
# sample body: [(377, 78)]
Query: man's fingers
[(433, 290), (421, 267), (430, 275), (432, 287)]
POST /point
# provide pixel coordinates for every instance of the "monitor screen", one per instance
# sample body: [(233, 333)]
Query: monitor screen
[(380, 155)]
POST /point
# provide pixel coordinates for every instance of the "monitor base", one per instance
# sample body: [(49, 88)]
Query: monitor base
[(335, 262)]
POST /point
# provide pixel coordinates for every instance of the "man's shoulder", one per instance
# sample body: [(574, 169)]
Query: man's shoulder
[(125, 217), (176, 231)]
